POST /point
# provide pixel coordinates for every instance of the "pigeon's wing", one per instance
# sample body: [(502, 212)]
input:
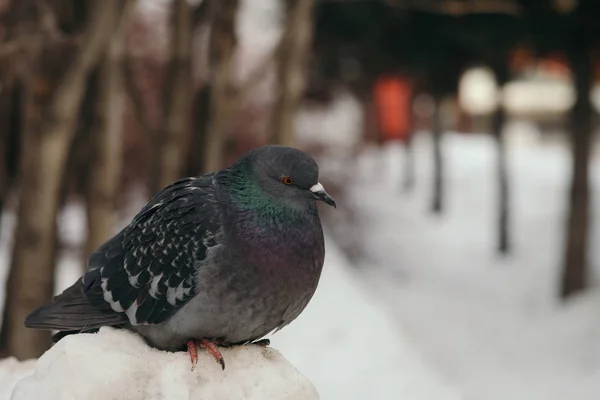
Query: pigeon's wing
[(148, 270)]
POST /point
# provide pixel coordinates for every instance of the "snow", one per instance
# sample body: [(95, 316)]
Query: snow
[(11, 371), (493, 326), (116, 364)]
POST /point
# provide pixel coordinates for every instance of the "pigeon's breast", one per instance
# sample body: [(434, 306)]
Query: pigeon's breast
[(277, 277), (257, 279), (250, 287)]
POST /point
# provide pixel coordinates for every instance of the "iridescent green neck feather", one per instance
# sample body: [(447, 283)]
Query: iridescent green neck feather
[(246, 194)]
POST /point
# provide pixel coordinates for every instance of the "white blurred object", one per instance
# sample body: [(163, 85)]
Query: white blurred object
[(524, 98), (532, 97), (117, 364), (478, 92)]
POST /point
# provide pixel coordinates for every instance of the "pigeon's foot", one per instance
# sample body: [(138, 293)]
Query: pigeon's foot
[(192, 346)]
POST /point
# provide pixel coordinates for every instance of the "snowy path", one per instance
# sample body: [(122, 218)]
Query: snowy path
[(347, 345), (491, 325)]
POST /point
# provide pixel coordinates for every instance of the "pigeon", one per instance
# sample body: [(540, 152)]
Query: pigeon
[(221, 259)]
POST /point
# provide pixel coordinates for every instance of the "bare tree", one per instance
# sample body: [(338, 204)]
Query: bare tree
[(10, 100), (5, 109), (438, 162), (107, 138), (408, 180), (222, 92), (54, 87), (499, 118), (408, 176), (292, 63), (575, 273), (9, 120)]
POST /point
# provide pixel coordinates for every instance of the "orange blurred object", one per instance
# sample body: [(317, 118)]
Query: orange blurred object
[(393, 103)]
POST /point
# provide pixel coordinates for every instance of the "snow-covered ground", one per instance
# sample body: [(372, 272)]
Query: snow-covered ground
[(493, 326)]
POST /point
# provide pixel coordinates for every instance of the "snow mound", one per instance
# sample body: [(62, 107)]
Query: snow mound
[(116, 364), (11, 370)]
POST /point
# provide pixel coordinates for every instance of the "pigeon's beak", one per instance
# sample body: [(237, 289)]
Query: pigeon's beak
[(319, 191)]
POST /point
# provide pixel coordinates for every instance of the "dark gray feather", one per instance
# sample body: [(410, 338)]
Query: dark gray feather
[(147, 271)]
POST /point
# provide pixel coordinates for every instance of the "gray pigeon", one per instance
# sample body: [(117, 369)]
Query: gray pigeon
[(217, 260)]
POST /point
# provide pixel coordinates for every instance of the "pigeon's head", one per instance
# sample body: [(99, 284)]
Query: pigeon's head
[(287, 174)]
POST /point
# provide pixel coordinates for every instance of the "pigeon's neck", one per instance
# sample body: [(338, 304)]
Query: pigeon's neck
[(244, 194), (270, 230)]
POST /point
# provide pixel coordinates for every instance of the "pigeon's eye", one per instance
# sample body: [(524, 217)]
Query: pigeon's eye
[(287, 180)]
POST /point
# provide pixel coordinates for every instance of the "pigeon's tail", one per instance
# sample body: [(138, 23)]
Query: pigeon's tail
[(71, 312)]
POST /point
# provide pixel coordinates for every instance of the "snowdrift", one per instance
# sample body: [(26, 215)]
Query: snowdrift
[(115, 364)]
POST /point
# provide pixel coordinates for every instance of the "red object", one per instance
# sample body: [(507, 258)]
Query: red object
[(393, 103)]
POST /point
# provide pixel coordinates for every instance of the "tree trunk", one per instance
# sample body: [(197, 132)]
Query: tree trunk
[(575, 274), (438, 167), (6, 107), (10, 111), (107, 137), (502, 179), (51, 108), (292, 63), (409, 165), (223, 42), (9, 108), (167, 160), (499, 119)]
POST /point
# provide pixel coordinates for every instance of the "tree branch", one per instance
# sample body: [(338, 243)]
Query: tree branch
[(95, 40)]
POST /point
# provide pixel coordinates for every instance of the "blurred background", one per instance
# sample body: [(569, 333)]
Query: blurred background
[(457, 136)]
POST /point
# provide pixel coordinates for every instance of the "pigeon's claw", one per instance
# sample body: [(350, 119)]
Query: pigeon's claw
[(214, 350), (192, 348)]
